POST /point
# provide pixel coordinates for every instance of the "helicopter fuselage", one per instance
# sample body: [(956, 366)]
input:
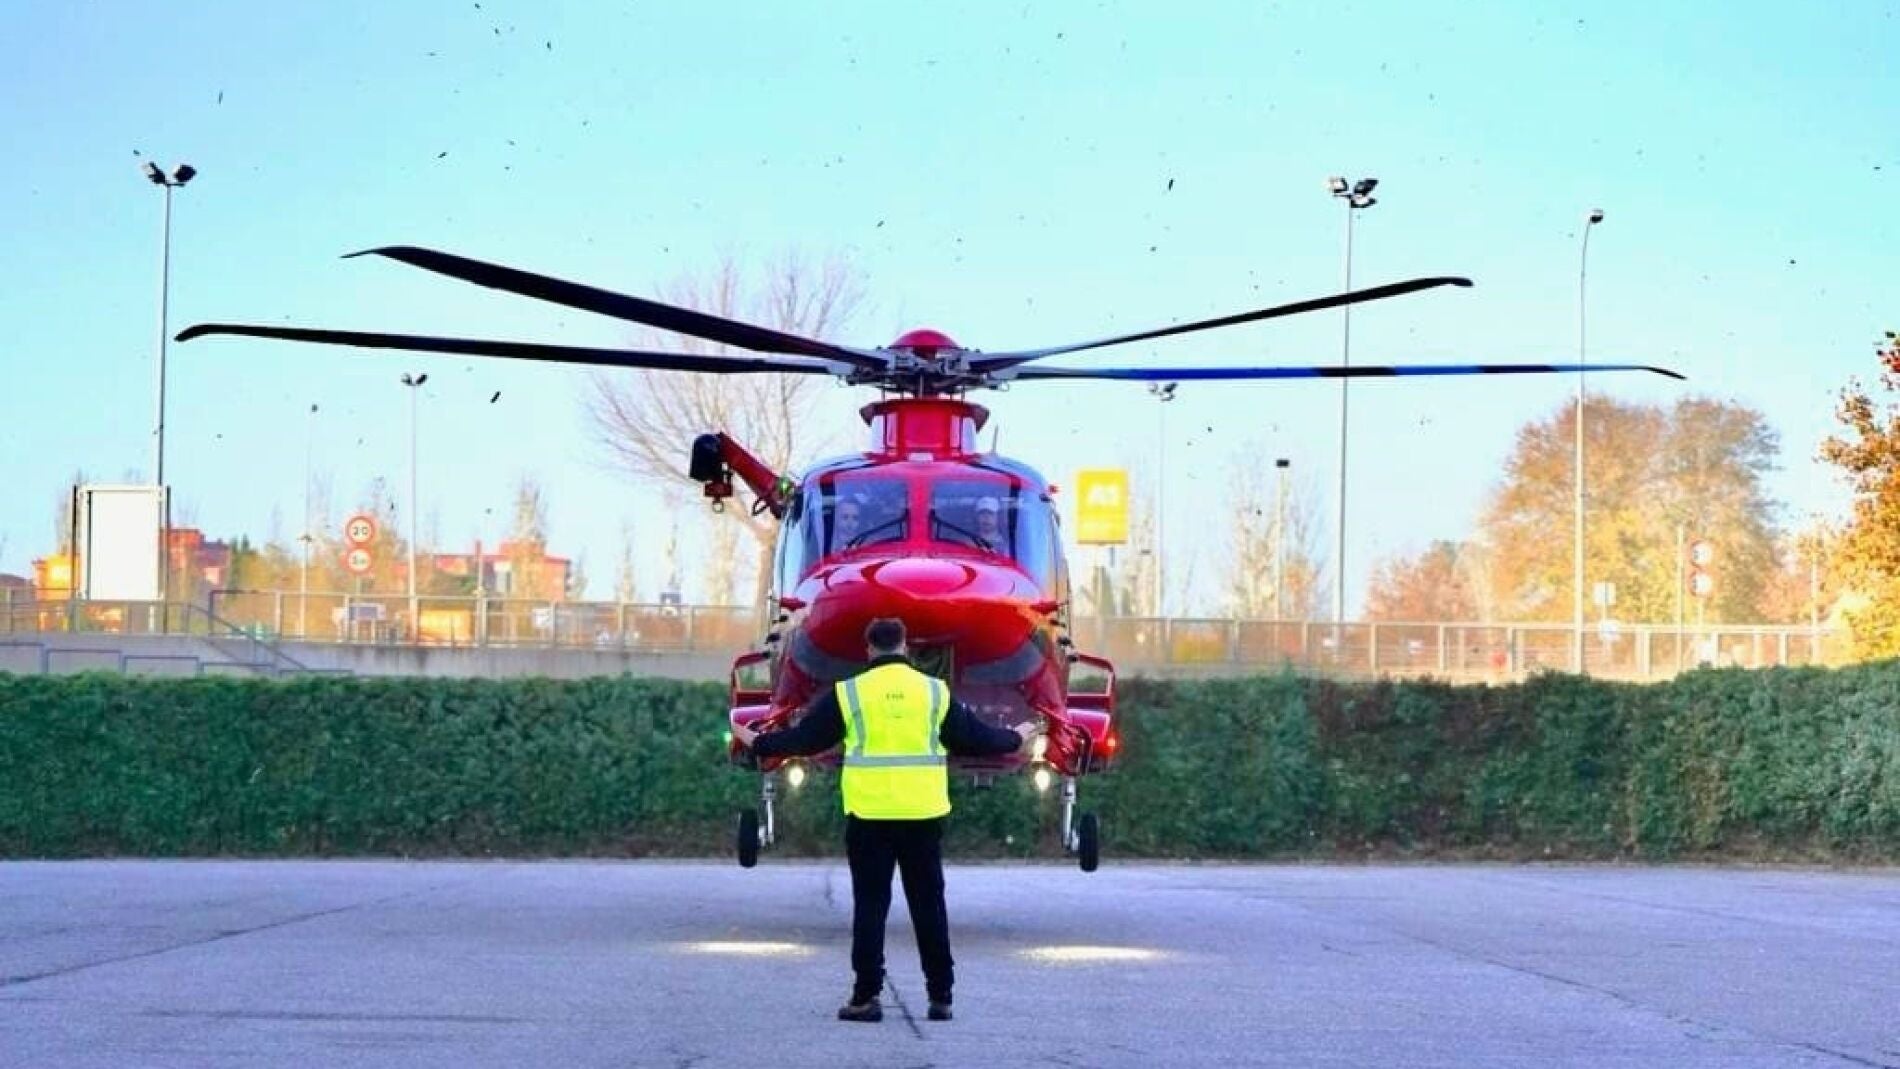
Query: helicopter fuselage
[(963, 547)]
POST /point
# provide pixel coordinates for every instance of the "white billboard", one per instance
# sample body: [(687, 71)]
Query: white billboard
[(119, 533)]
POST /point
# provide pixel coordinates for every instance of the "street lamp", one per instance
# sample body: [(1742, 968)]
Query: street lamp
[(414, 382), (1576, 564), (180, 175), (1356, 196), (303, 583), (1164, 392), (1279, 543)]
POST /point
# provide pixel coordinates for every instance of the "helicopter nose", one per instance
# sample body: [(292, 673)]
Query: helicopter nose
[(983, 608), (928, 579)]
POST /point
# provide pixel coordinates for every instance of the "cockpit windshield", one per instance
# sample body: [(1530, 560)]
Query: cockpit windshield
[(851, 510), (861, 512), (994, 517)]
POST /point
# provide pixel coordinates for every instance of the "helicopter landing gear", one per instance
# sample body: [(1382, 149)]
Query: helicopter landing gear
[(1082, 837), (755, 833), (748, 838)]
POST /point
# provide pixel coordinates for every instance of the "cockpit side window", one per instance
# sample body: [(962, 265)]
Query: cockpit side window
[(794, 555)]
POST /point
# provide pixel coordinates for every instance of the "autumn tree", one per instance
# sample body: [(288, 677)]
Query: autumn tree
[(647, 420), (1257, 540), (1805, 582), (1695, 468), (1867, 452), (1442, 583)]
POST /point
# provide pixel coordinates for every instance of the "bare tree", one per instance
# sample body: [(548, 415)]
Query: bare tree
[(626, 588), (1258, 541), (721, 563), (527, 545), (1121, 579), (647, 420), (63, 513)]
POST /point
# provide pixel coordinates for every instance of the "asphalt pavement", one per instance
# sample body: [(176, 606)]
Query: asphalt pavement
[(579, 964)]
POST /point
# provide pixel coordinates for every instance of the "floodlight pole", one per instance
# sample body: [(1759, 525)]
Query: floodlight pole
[(181, 174), (1165, 393), (303, 583), (1279, 543), (414, 382), (1356, 196), (164, 299), (1576, 564)]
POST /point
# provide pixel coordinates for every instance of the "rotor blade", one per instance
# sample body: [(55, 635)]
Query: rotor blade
[(999, 361), (622, 306), (561, 354), (1355, 371)]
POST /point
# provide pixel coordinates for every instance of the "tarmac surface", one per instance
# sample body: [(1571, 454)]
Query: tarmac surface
[(116, 963)]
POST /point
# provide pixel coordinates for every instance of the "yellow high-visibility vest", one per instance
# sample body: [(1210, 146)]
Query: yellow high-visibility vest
[(894, 764)]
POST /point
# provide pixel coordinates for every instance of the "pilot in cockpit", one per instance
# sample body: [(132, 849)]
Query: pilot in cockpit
[(989, 523), (847, 522)]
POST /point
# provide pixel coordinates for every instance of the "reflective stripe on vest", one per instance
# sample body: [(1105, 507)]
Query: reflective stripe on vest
[(894, 763)]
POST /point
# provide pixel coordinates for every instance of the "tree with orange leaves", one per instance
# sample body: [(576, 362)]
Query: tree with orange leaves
[(1868, 454), (1694, 469)]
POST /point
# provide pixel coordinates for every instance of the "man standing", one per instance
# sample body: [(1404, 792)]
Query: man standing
[(896, 724)]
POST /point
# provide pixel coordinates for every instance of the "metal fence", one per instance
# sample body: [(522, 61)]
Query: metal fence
[(1447, 650)]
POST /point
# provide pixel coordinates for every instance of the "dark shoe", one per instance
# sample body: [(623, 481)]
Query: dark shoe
[(868, 1011), (939, 1011)]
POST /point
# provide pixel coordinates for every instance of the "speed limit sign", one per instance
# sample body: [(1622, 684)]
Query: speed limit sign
[(357, 560), (360, 530)]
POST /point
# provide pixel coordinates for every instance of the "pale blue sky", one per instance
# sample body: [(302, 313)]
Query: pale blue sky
[(999, 171)]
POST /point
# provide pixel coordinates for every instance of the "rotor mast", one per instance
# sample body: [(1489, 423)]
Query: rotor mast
[(932, 428)]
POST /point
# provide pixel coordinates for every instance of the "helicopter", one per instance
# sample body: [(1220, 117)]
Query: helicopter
[(962, 545)]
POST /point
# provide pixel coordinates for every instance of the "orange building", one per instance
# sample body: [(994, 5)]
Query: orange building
[(53, 577), (514, 570)]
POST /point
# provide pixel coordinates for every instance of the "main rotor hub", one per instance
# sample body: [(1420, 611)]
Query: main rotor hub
[(925, 342)]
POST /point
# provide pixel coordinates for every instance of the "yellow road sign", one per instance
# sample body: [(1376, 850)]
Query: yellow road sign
[(1101, 506)]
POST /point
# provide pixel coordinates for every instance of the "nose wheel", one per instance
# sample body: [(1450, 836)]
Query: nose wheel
[(755, 832), (1080, 836)]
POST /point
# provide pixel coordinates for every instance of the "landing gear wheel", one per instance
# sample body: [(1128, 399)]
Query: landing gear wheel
[(1088, 842), (748, 838)]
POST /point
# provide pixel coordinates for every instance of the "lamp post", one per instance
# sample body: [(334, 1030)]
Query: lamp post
[(1356, 196), (1576, 563), (303, 582), (180, 175), (414, 382), (176, 180), (1279, 543), (1164, 392)]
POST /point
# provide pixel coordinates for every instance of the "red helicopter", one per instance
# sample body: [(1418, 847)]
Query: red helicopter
[(963, 546)]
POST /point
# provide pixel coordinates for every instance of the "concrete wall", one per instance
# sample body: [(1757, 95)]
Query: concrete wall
[(182, 655), (496, 662)]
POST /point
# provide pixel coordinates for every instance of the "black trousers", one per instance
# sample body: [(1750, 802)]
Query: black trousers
[(914, 848)]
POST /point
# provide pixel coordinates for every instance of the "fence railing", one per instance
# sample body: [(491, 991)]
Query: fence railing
[(1458, 650)]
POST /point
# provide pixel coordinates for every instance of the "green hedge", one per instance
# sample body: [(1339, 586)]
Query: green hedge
[(1799, 762)]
